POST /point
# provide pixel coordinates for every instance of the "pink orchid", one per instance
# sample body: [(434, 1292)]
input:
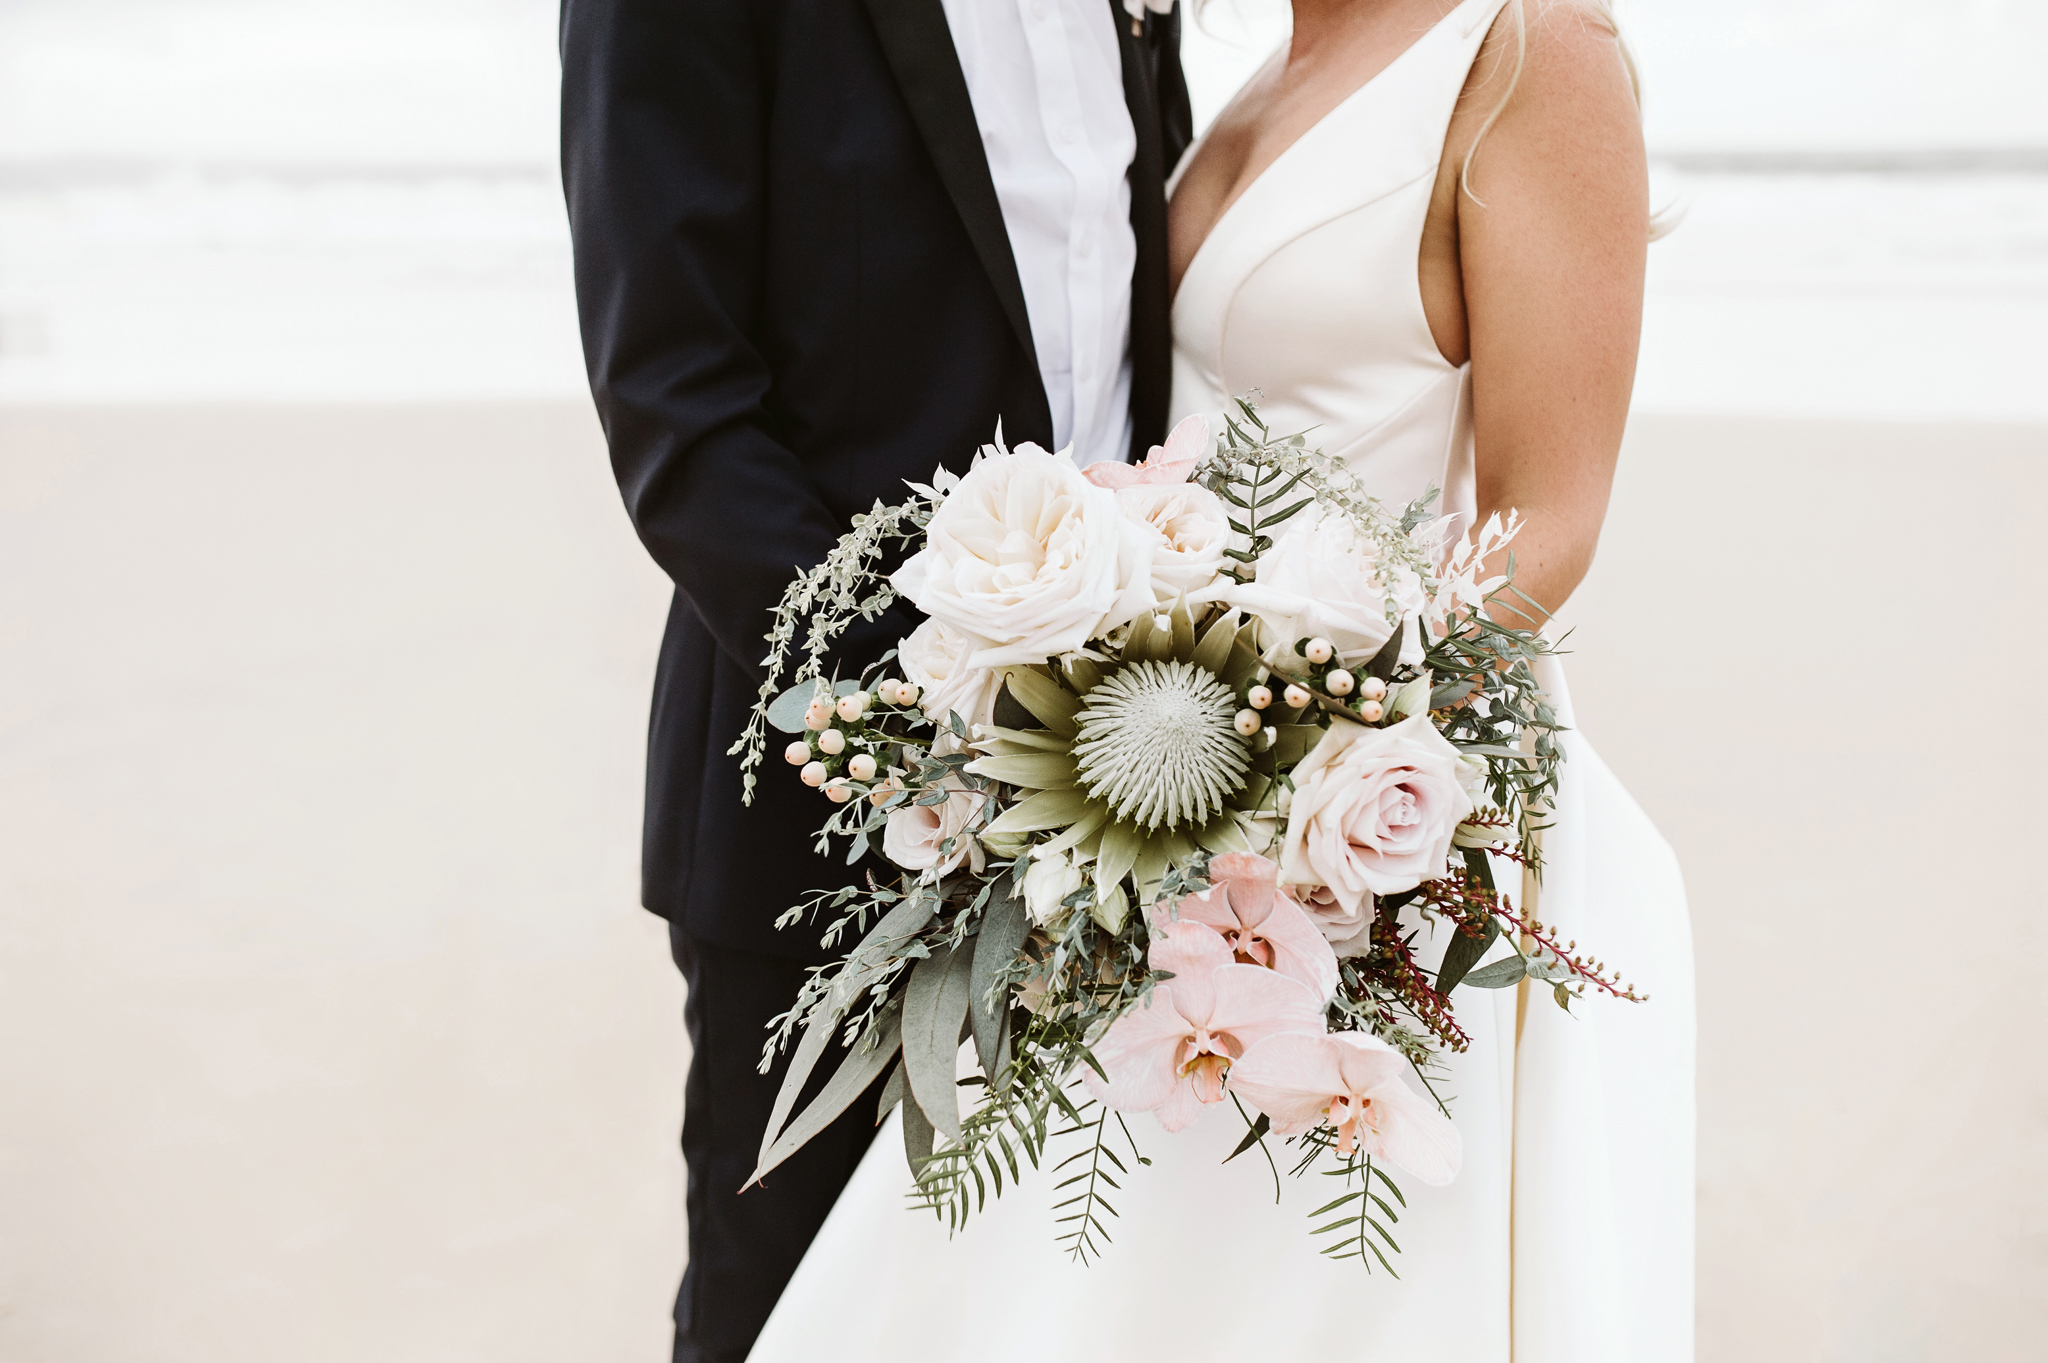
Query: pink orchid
[(1169, 1055), (1168, 463), (1353, 1081), (1264, 924)]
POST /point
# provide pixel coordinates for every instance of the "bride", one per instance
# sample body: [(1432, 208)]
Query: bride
[(1419, 233)]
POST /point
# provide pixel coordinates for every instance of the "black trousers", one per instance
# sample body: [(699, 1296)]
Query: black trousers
[(745, 1245)]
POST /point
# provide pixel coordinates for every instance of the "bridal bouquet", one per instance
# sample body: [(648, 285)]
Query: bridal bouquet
[(1171, 779)]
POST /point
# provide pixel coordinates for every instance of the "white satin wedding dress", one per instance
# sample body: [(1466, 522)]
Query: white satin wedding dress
[(1567, 1235)]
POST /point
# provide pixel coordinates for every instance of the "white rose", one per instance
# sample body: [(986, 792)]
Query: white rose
[(1047, 883), (916, 835), (1031, 557), (934, 658), (1322, 578), (1192, 530), (1374, 812)]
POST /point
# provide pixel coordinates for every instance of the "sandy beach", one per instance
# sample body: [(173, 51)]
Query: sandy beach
[(336, 1033), (330, 1028)]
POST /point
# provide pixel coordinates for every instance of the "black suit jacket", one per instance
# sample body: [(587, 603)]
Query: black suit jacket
[(796, 291)]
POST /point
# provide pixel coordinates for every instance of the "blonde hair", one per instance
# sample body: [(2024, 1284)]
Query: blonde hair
[(1602, 11)]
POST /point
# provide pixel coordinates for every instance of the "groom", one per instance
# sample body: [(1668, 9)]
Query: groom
[(822, 246)]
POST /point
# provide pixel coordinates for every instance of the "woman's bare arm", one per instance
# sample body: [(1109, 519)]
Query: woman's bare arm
[(1551, 244)]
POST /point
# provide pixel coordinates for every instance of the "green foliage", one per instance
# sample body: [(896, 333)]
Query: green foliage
[(1363, 1214), (943, 956)]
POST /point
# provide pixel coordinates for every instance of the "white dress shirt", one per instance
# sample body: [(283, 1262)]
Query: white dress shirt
[(1046, 80)]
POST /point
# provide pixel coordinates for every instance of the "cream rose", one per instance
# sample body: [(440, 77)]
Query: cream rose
[(1374, 811), (1192, 530), (1029, 557), (934, 658), (1322, 578), (915, 836)]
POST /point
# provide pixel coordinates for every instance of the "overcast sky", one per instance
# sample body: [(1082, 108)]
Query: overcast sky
[(471, 81)]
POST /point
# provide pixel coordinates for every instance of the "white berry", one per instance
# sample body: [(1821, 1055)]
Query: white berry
[(819, 715), (851, 707), (1373, 689), (906, 695), (1297, 697), (1259, 697), (832, 743), (797, 753), (1248, 722), (839, 792), (1372, 711), (1340, 682), (814, 774), (861, 767), (1320, 651)]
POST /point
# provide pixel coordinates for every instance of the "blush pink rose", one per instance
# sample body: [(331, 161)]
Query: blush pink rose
[(1348, 931), (1374, 811)]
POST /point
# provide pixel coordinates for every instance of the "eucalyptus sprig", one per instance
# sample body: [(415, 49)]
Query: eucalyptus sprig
[(842, 588)]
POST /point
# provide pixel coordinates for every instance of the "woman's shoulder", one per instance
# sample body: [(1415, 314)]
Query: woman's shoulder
[(1549, 110), (1553, 78)]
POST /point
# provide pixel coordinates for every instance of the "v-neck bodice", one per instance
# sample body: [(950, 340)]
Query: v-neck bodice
[(1306, 288)]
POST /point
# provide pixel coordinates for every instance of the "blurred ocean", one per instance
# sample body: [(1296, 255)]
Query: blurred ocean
[(272, 200)]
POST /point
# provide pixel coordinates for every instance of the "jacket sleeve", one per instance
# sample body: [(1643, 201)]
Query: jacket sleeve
[(665, 106)]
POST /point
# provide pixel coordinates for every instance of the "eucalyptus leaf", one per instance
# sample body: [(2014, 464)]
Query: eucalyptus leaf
[(786, 712), (1499, 975), (863, 1065), (893, 1093), (884, 939), (817, 1036), (1003, 929), (1451, 692), (934, 1010), (918, 1137)]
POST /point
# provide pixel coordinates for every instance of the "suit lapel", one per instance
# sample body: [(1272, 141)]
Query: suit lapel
[(919, 46)]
